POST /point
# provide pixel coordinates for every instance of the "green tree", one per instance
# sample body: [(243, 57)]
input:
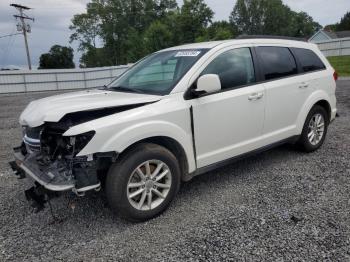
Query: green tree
[(276, 18), (194, 18), (120, 25), (113, 32), (220, 30), (58, 57), (165, 7), (270, 17), (86, 28), (303, 25), (331, 27), (157, 36), (247, 16), (95, 57), (344, 23), (135, 46)]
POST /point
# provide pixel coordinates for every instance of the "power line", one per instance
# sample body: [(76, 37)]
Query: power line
[(10, 48), (2, 36), (23, 27), (5, 50)]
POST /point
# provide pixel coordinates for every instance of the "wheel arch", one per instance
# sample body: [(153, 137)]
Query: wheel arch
[(325, 104), (172, 145), (317, 98)]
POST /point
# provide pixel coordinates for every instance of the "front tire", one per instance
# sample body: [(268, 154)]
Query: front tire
[(142, 184), (314, 130)]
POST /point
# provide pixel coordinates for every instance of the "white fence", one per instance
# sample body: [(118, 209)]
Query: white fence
[(57, 79), (335, 47)]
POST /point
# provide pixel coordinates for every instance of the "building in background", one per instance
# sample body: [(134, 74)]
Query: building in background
[(324, 35), (332, 43)]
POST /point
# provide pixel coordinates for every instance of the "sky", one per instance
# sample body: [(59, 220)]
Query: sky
[(52, 19)]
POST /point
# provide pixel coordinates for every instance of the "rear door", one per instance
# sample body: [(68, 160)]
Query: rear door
[(312, 70), (285, 90)]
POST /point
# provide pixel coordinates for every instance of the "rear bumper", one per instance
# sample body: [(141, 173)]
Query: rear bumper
[(49, 178), (333, 104)]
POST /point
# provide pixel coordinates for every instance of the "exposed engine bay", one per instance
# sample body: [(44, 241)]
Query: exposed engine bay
[(48, 151)]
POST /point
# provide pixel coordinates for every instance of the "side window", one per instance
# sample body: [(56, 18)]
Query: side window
[(276, 62), (234, 68), (309, 61)]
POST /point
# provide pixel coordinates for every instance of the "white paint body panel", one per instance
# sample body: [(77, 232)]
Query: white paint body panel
[(52, 109), (169, 117), (225, 124)]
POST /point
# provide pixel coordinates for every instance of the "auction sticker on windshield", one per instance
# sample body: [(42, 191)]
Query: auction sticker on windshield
[(187, 53)]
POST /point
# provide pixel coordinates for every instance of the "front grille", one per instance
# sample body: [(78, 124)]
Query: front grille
[(32, 144), (33, 132), (32, 138)]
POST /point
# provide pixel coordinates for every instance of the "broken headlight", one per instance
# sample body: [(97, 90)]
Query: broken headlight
[(78, 142)]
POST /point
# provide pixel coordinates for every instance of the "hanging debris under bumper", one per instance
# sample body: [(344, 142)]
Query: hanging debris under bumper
[(79, 176), (49, 177)]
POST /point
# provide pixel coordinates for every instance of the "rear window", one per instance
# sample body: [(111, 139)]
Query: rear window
[(276, 62), (309, 61)]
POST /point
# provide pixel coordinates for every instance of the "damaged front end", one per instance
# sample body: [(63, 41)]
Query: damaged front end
[(53, 159), (50, 159)]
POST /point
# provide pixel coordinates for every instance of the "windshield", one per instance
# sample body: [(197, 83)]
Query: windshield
[(158, 73)]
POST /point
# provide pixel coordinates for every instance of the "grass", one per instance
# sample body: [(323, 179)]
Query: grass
[(341, 64)]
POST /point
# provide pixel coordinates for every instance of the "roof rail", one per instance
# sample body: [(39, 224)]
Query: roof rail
[(271, 37)]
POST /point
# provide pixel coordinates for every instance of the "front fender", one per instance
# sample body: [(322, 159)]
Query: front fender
[(309, 103), (132, 134), (170, 118), (122, 139)]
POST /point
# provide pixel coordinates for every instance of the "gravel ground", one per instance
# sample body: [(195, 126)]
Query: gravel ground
[(279, 205)]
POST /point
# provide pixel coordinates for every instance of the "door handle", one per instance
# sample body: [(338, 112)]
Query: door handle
[(304, 85), (255, 96)]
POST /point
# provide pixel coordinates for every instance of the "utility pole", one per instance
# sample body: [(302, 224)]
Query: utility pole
[(23, 27)]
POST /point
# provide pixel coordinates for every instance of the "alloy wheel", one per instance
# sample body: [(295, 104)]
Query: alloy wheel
[(316, 129), (149, 185)]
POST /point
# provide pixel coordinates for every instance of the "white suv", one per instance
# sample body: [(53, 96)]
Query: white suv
[(173, 115)]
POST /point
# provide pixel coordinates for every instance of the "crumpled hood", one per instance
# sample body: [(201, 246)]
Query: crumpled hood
[(52, 109)]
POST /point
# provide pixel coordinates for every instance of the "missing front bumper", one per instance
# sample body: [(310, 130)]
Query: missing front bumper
[(79, 177), (49, 178)]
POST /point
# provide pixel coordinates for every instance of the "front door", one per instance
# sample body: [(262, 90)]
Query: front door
[(230, 122)]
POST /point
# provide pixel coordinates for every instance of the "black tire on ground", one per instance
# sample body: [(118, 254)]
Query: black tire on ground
[(120, 172), (303, 142)]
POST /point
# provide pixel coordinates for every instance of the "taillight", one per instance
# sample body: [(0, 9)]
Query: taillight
[(335, 76)]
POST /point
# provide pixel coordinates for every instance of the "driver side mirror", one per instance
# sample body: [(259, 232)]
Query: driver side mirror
[(208, 83)]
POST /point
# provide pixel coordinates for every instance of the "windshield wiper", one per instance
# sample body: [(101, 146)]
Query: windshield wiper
[(104, 87), (125, 89)]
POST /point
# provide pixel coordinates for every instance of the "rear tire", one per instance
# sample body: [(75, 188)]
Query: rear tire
[(314, 130), (142, 184)]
